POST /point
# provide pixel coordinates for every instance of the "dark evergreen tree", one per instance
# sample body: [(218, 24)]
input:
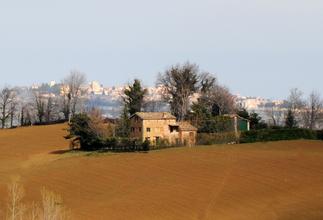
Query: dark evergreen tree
[(123, 125), (256, 121), (80, 131), (290, 120), (243, 113), (134, 97)]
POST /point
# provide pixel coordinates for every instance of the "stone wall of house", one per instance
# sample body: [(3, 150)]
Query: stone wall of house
[(158, 129), (136, 128), (188, 137), (153, 130)]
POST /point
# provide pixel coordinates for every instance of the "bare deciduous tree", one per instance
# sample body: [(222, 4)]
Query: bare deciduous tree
[(296, 104), (7, 103), (40, 104), (51, 112), (223, 99), (295, 99), (217, 99), (72, 85), (98, 126), (312, 110), (180, 82), (275, 115)]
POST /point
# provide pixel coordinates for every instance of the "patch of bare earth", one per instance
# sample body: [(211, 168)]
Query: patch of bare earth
[(281, 180)]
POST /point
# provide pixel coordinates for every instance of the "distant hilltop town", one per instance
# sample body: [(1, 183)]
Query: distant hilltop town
[(108, 98)]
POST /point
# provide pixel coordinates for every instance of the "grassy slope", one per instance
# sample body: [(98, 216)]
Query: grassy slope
[(282, 180)]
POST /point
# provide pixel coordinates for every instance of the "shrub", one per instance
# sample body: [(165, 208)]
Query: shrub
[(216, 138), (146, 145), (276, 135)]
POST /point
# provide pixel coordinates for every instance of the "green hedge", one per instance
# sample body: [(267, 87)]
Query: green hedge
[(320, 135), (277, 135), (216, 138)]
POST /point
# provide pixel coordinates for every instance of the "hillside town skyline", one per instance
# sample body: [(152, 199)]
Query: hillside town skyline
[(108, 98)]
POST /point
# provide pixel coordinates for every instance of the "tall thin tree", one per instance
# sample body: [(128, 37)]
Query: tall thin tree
[(7, 100)]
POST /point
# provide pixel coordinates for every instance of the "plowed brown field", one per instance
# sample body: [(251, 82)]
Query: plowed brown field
[(281, 180)]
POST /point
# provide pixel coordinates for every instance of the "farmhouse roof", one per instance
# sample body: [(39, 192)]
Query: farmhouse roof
[(235, 115), (154, 115), (186, 126)]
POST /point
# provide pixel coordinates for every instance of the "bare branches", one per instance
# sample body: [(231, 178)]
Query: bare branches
[(72, 86), (7, 105), (180, 82), (275, 115), (295, 100), (312, 110), (40, 106), (15, 207), (97, 125), (51, 208), (307, 111), (223, 99)]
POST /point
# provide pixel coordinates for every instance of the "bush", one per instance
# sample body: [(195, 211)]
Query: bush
[(216, 138), (277, 135)]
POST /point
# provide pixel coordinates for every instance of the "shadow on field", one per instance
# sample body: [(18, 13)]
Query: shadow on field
[(60, 151)]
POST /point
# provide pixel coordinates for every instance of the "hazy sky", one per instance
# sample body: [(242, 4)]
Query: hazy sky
[(256, 47)]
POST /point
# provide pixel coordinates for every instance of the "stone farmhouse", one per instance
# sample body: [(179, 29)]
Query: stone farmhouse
[(158, 126)]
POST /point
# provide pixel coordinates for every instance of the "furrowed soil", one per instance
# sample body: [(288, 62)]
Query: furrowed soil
[(278, 180)]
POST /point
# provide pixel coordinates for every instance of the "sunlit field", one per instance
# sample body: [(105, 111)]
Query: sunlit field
[(281, 180)]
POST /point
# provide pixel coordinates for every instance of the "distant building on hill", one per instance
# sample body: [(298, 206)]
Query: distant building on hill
[(159, 126)]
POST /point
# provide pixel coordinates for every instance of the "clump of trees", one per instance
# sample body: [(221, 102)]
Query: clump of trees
[(133, 100), (8, 105), (190, 93), (255, 120), (304, 112), (89, 132), (184, 82), (37, 106)]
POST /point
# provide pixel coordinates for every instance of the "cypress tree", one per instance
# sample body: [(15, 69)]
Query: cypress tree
[(290, 120)]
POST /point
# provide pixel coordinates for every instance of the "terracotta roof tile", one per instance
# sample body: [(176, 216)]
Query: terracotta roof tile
[(154, 115), (186, 126)]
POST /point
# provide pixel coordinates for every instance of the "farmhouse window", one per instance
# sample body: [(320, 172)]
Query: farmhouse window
[(173, 129), (148, 129), (132, 129), (139, 129)]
